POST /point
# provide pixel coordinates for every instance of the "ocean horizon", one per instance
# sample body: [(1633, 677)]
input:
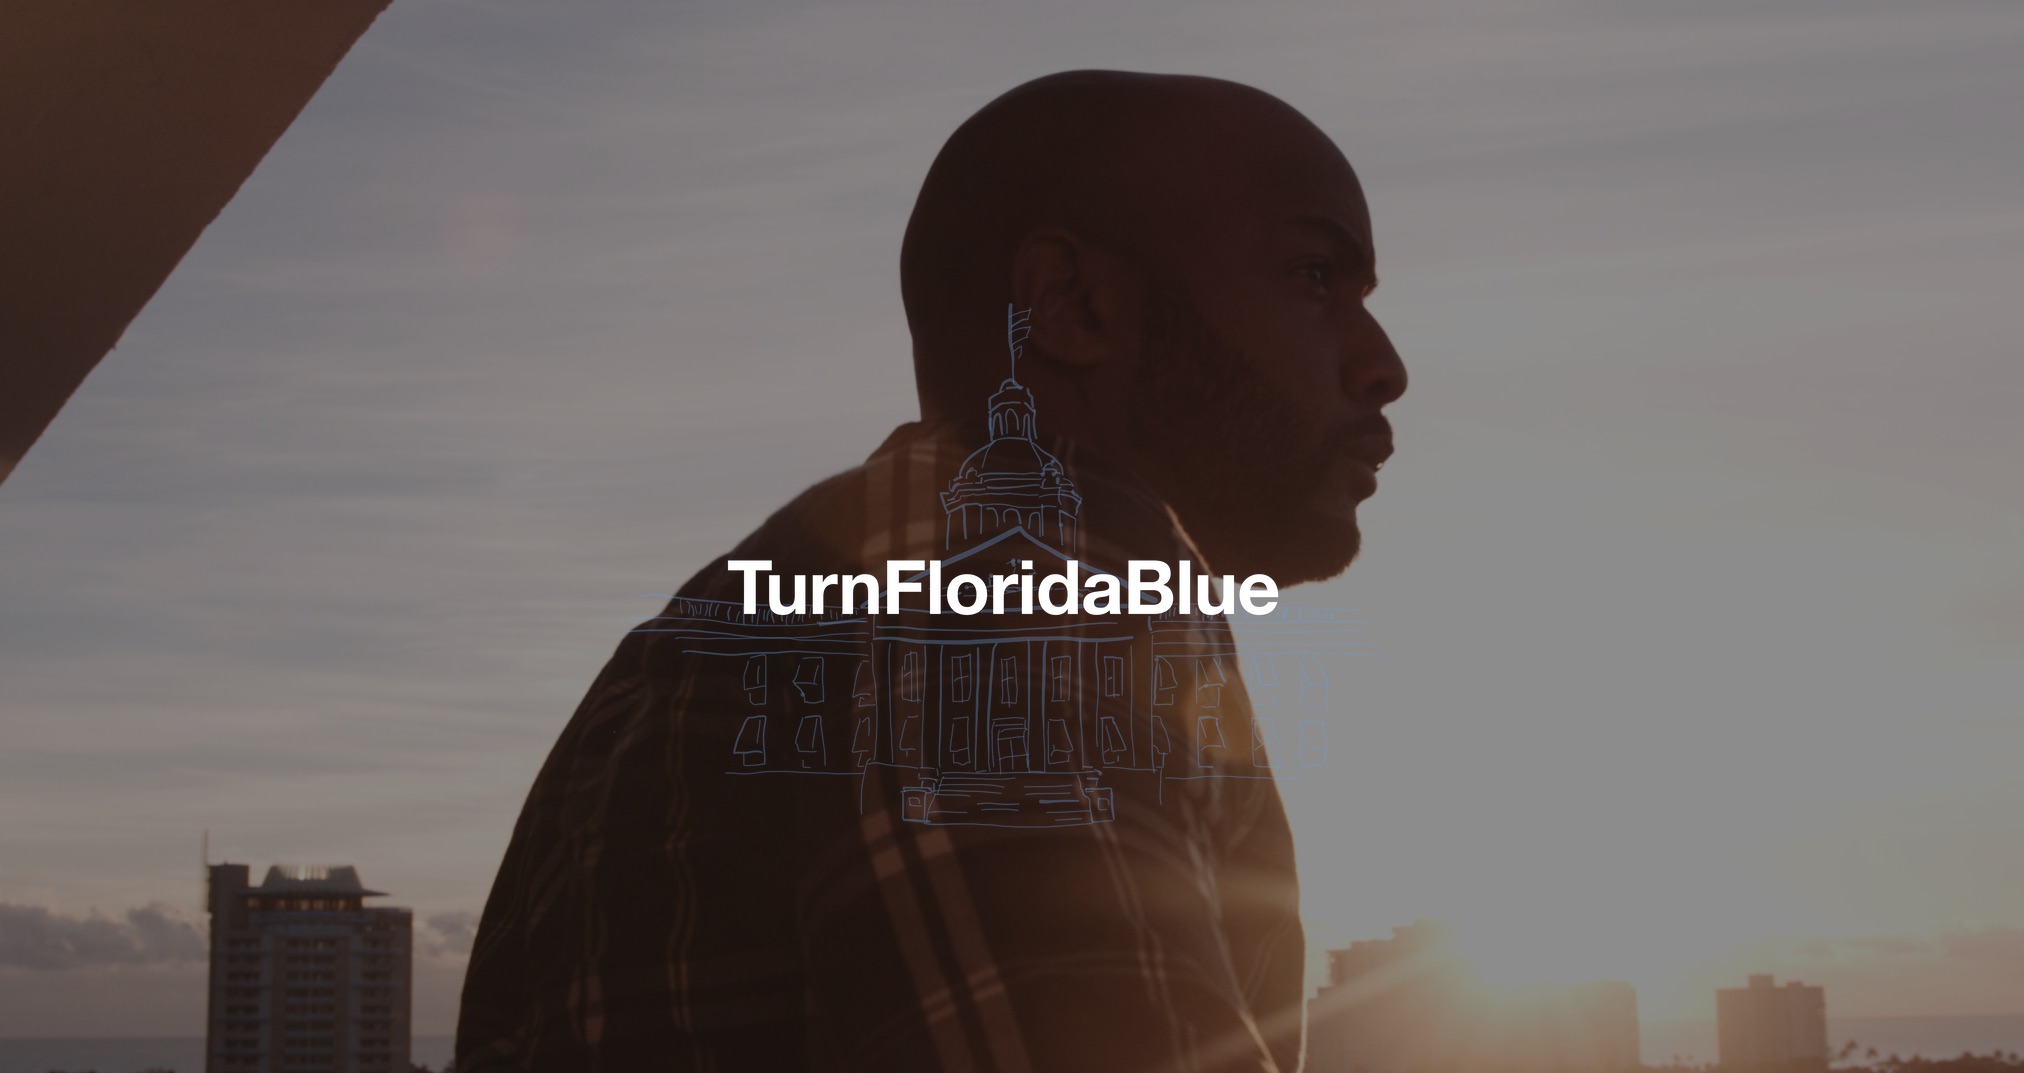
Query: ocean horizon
[(1692, 1041), (132, 1054)]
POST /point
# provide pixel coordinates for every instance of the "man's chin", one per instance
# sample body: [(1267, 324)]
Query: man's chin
[(1311, 548)]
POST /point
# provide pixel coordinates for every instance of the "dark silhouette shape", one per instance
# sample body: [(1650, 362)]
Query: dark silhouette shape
[(129, 126), (1194, 255)]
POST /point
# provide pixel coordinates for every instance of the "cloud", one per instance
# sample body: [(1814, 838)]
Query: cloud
[(32, 937), (143, 975), (446, 935), (2002, 947)]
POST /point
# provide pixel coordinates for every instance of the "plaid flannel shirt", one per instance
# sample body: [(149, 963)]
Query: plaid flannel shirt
[(658, 909)]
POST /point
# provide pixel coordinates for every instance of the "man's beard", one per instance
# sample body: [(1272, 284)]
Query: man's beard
[(1242, 469)]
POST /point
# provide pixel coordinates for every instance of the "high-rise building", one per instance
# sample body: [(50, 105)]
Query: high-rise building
[(304, 977), (1410, 1003), (1767, 1026), (1393, 1004)]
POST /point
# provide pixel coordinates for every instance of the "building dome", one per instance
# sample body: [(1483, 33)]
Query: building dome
[(1011, 410), (1010, 457), (1012, 481)]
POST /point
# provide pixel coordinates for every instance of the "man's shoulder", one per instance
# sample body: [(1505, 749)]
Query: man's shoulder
[(885, 507)]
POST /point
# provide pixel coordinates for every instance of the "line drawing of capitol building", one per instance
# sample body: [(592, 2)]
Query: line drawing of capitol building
[(1011, 482), (1011, 720)]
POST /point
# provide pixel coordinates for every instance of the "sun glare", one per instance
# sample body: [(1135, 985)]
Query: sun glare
[(1518, 956)]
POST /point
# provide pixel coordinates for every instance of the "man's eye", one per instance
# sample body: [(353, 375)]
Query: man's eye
[(1318, 273)]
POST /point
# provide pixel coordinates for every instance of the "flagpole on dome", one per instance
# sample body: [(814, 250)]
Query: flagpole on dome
[(1018, 325)]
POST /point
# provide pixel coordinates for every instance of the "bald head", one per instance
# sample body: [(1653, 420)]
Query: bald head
[(1120, 159), (1196, 255)]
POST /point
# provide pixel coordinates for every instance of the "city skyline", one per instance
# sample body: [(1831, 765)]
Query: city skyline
[(1692, 591)]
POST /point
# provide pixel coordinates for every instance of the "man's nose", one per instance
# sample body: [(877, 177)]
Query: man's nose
[(1372, 372)]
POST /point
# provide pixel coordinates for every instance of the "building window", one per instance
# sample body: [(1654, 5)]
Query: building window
[(1011, 747), (861, 685), (1262, 683), (1208, 735), (755, 680), (910, 676), (1164, 680), (1313, 685), (808, 739), (861, 743), (959, 741), (808, 679), (751, 744), (962, 684), (1209, 681), (1057, 678), (1113, 739), (1008, 680), (1313, 743), (1113, 676), (1261, 741)]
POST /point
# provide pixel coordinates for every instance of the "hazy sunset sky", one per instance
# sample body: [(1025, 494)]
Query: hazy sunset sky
[(1694, 592)]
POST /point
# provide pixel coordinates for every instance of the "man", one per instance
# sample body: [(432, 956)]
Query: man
[(1195, 256)]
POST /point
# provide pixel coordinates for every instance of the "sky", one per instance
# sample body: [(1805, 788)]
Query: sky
[(1694, 618)]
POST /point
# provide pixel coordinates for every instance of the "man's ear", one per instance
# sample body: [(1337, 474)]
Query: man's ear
[(1084, 298)]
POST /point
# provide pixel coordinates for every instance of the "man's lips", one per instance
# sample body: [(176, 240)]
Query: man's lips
[(1368, 441)]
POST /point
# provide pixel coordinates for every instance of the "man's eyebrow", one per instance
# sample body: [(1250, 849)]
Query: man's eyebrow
[(1333, 230)]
